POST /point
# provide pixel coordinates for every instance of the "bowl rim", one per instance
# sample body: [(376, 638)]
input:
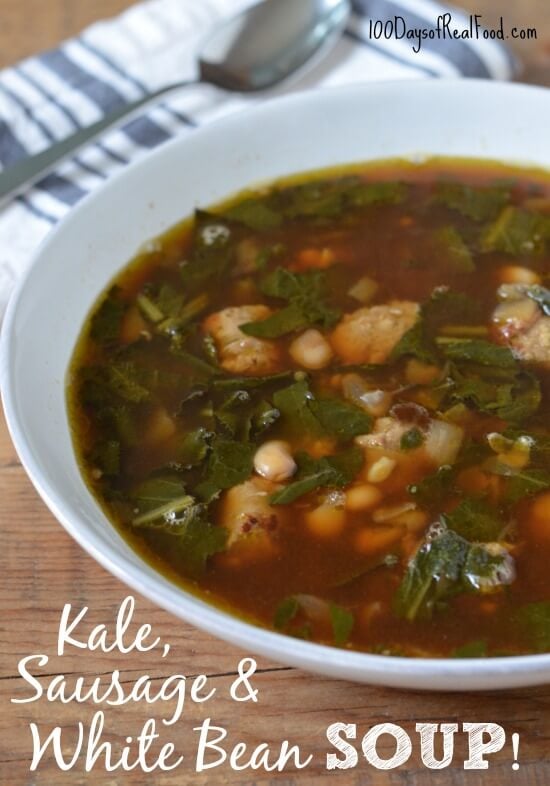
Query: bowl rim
[(396, 671)]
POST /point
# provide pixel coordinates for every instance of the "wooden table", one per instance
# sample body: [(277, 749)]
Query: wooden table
[(42, 569)]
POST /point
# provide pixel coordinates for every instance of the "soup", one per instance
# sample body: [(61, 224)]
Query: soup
[(324, 407)]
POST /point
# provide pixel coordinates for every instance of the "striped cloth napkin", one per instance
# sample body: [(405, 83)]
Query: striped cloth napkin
[(49, 96)]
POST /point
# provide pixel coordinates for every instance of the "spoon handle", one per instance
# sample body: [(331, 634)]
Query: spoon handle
[(28, 171)]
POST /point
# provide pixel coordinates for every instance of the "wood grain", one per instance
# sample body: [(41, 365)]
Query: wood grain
[(42, 569)]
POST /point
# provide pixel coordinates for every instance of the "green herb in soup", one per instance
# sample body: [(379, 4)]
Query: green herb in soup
[(325, 407)]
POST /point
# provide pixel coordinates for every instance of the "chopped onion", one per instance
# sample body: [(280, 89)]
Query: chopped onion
[(316, 609), (517, 314), (513, 454), (364, 290), (443, 441), (382, 515), (376, 402)]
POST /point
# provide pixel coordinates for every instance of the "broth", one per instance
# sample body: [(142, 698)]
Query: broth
[(324, 407)]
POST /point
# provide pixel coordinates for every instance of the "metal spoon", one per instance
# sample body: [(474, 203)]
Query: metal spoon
[(252, 51)]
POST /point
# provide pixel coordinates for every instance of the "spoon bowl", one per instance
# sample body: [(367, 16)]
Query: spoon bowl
[(270, 42)]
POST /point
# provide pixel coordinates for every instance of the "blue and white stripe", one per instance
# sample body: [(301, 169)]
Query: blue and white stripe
[(47, 97)]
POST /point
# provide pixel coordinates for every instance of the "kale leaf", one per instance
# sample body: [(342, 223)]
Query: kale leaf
[(202, 371), (488, 378), (159, 498), (252, 383), (109, 386), (474, 519), (324, 472), (433, 575), (340, 418), (107, 319), (199, 541), (212, 254), (445, 565), (416, 342), (287, 320), (479, 203), (176, 516), (229, 463), (194, 447), (192, 539), (452, 251), (508, 393), (473, 649), (159, 301), (301, 412), (233, 415), (483, 353), (106, 457), (306, 297), (342, 624), (285, 615), (517, 231), (534, 618), (241, 416), (317, 200), (285, 612), (296, 415), (324, 199), (525, 483), (289, 609), (443, 307), (432, 489), (263, 417), (256, 214)]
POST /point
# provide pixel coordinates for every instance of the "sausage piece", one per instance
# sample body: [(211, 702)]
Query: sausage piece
[(239, 353), (252, 523), (519, 322), (369, 334)]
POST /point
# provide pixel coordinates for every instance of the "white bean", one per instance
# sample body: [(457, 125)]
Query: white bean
[(443, 441), (516, 274), (326, 521), (519, 313), (273, 461), (364, 290), (363, 497), (311, 350), (376, 402), (381, 470)]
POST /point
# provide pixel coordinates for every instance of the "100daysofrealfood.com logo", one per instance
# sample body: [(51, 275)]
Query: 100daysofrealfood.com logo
[(97, 747), (445, 29)]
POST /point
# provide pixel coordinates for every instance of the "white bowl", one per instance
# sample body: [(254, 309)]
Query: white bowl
[(503, 122)]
